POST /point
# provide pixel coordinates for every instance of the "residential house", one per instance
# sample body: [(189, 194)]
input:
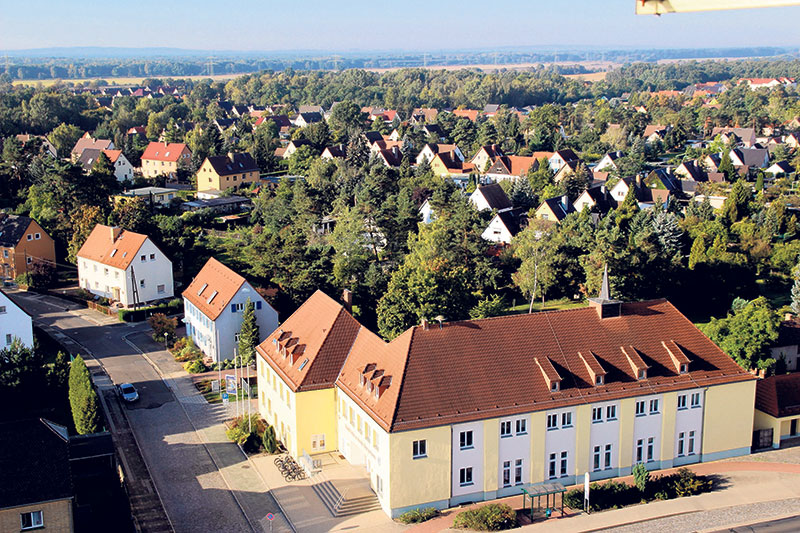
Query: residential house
[(87, 141), (777, 410), (561, 158), (434, 130), (281, 121), (555, 209), (567, 169), (486, 156), (690, 170), (426, 212), (471, 114), (294, 145), (372, 137), (450, 164), (223, 172), (165, 159), (23, 243), (39, 494), (474, 410), (792, 140), (334, 152), (423, 115), (646, 196), (224, 124), (490, 197), (511, 167), (711, 162), (654, 132), (745, 135), (123, 170), (155, 196), (750, 157), (780, 168), (786, 347), (124, 266), (609, 161), (390, 157), (46, 146), (304, 119), (596, 199), (504, 226), (218, 204), (214, 304), (767, 83), (430, 150), (310, 109), (15, 323)]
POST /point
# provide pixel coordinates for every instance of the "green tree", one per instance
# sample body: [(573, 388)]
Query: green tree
[(83, 398), (641, 476), (58, 374), (63, 138), (522, 194), (490, 306), (736, 206), (163, 327), (248, 334), (796, 291), (698, 252), (747, 333), (726, 167)]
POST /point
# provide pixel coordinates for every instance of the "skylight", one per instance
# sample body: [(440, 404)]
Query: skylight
[(211, 298), (113, 252), (303, 364), (200, 292)]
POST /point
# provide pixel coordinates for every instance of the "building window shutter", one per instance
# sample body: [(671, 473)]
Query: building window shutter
[(258, 305), (233, 308)]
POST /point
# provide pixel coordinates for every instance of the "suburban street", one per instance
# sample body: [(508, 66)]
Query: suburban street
[(180, 436)]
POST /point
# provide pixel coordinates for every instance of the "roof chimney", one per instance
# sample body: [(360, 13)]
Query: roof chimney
[(347, 300), (638, 180), (116, 231), (424, 323), (565, 202)]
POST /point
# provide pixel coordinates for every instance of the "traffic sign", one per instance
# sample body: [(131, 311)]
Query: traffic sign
[(270, 516), (224, 397)]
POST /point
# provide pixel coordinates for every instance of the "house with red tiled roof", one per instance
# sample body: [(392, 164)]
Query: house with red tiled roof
[(164, 159), (124, 266), (511, 167), (87, 141), (214, 304), (486, 155), (471, 114), (123, 170), (465, 411), (430, 150), (777, 415)]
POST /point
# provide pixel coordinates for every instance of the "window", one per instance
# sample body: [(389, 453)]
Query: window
[(28, 260), (608, 456), (640, 408), (681, 401), (518, 472), (506, 473), (650, 447), (554, 386), (465, 439), (152, 257), (597, 414), (237, 307), (37, 236), (143, 258), (695, 399), (681, 443), (598, 380), (684, 368), (379, 484), (522, 426), (30, 237), (31, 520), (505, 428), (5, 254), (465, 476), (611, 412), (161, 289), (596, 460), (116, 274), (653, 406), (2, 309), (691, 443), (639, 450), (552, 421), (318, 443), (9, 338), (566, 419), (552, 468), (643, 373), (141, 283), (563, 464), (236, 338)]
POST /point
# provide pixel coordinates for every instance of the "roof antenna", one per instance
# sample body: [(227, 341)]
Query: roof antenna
[(439, 319), (604, 292)]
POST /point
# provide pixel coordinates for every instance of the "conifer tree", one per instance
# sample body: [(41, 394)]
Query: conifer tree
[(83, 399), (698, 253), (248, 334)]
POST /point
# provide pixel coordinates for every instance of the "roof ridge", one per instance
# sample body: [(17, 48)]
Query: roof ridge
[(402, 378)]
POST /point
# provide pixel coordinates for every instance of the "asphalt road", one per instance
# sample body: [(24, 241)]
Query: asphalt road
[(785, 525), (195, 495)]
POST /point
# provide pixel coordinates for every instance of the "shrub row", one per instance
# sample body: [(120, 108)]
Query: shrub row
[(492, 517), (173, 307), (416, 516)]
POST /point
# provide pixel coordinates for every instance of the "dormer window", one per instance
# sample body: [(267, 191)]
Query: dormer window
[(377, 393), (642, 374), (361, 380), (598, 380), (684, 368), (554, 386)]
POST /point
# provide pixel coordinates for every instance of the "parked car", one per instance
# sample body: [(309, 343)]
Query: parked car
[(128, 392)]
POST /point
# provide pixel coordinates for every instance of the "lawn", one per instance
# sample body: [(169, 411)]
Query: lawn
[(549, 305), (214, 397)]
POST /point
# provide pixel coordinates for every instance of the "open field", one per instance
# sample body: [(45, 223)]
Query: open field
[(137, 80)]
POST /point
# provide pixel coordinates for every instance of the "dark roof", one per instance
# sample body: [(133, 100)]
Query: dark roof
[(35, 464), (789, 333), (567, 155), (233, 163), (337, 150), (779, 396), (495, 196), (12, 229), (373, 136), (785, 167), (694, 170), (512, 220), (214, 202), (311, 118), (752, 157), (558, 208), (603, 202)]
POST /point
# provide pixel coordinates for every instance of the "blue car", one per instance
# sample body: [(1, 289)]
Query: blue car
[(128, 392)]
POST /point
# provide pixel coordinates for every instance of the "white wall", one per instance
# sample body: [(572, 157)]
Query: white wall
[(514, 447), (200, 328), (470, 457), (789, 354), (690, 419), (604, 432), (123, 169), (496, 231), (646, 426), (229, 323), (561, 439), (14, 324), (101, 279)]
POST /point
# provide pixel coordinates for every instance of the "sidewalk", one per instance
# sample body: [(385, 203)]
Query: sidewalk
[(248, 487), (743, 482)]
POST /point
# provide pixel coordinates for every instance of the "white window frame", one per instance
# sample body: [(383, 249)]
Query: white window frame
[(597, 415), (466, 440), (552, 463), (596, 459), (552, 421), (690, 450), (566, 419), (650, 449), (695, 400), (518, 472), (505, 428), (506, 474), (611, 412), (681, 443), (522, 426), (681, 402), (640, 408), (607, 456), (654, 406), (465, 476), (419, 449), (36, 520)]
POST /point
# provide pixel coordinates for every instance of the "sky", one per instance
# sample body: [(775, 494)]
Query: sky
[(332, 25)]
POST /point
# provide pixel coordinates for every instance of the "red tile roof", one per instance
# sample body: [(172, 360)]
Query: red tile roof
[(157, 151), (213, 279), (779, 396), (114, 247), (322, 332)]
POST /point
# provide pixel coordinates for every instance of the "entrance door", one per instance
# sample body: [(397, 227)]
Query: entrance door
[(793, 427)]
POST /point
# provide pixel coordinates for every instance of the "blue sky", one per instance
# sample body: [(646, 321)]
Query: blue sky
[(370, 25)]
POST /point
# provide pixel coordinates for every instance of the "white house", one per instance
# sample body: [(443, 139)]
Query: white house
[(426, 212), (430, 151), (15, 323), (124, 266), (609, 161), (491, 197), (214, 305), (122, 167), (502, 228)]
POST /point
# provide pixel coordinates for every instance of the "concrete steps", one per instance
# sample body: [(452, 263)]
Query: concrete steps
[(339, 507)]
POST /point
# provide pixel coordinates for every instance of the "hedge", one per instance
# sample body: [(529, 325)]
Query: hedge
[(138, 315), (416, 516), (492, 517)]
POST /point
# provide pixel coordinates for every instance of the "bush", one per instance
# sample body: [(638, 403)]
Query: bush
[(195, 366), (269, 441), (173, 307), (185, 350), (163, 326), (687, 483), (415, 516), (246, 433), (492, 517), (574, 499), (641, 476)]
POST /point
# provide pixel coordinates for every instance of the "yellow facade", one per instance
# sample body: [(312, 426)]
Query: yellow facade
[(728, 419), (781, 427), (669, 406), (583, 431), (56, 516), (416, 481), (537, 445), (627, 409), (209, 180)]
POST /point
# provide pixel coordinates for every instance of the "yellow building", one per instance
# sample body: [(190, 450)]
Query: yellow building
[(165, 159), (232, 171), (475, 410), (777, 415)]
